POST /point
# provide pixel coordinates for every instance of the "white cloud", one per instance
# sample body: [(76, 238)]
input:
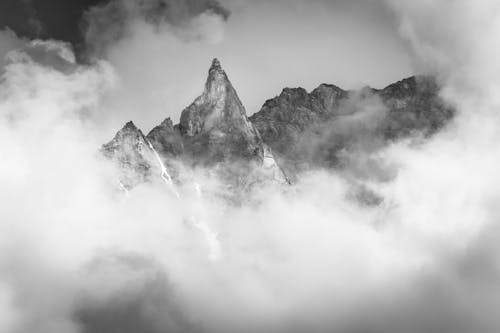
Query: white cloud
[(73, 251)]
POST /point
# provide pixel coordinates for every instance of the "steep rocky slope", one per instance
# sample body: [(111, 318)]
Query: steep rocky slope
[(214, 134), (131, 151), (293, 132), (309, 130), (215, 126)]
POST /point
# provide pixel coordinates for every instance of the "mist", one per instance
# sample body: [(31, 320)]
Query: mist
[(77, 254)]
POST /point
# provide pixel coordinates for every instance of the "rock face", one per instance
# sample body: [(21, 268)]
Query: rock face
[(215, 127), (284, 119), (130, 150), (214, 132), (166, 139), (293, 132), (414, 105), (314, 129)]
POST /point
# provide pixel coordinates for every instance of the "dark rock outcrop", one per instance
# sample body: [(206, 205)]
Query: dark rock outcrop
[(414, 106), (293, 132), (130, 150), (166, 139), (308, 130), (214, 132), (215, 127)]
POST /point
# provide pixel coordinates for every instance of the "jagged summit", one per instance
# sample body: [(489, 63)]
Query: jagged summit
[(167, 122), (219, 90), (129, 132), (213, 131), (309, 129), (130, 150), (130, 123), (215, 65), (299, 129), (130, 126), (166, 139), (217, 123)]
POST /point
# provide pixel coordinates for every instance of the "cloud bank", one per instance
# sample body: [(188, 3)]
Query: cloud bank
[(76, 255), (115, 20)]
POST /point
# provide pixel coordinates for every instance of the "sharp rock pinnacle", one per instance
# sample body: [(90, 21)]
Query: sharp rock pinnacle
[(215, 65)]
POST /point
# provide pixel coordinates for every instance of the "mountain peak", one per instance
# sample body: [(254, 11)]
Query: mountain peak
[(213, 130), (217, 122), (219, 105), (215, 65), (130, 149), (217, 82), (129, 133), (130, 126)]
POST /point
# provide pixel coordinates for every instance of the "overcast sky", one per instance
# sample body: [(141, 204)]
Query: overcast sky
[(264, 46), (307, 258)]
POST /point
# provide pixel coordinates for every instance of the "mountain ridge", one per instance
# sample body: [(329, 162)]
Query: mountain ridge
[(215, 132), (404, 108), (295, 131)]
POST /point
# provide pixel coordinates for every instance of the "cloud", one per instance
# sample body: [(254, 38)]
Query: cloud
[(8, 42), (34, 24), (22, 17), (75, 252), (100, 255), (156, 34), (139, 298), (189, 19)]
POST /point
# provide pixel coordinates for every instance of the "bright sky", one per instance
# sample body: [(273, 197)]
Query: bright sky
[(264, 47)]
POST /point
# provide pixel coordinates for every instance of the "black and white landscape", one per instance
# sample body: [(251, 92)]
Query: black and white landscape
[(249, 166)]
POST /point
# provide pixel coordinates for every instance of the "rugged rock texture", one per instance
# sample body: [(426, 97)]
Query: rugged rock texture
[(130, 150), (166, 139), (414, 106), (215, 127), (214, 133), (326, 128), (283, 120), (317, 129)]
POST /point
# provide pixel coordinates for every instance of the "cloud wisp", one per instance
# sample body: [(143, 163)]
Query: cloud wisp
[(110, 23), (78, 256)]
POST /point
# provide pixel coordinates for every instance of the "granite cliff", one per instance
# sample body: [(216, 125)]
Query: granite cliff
[(294, 132), (214, 133), (314, 130)]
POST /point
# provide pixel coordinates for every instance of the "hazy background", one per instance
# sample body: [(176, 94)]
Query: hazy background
[(78, 256), (263, 45)]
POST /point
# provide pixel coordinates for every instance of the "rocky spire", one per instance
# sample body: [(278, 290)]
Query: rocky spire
[(218, 86), (130, 126), (130, 150), (215, 65), (129, 134), (218, 111), (213, 131)]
